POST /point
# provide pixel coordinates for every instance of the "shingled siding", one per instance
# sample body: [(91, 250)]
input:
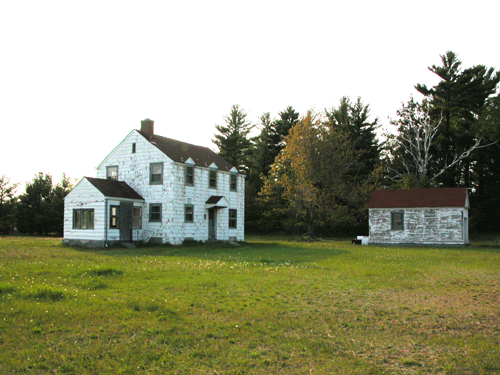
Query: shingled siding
[(133, 168), (421, 226)]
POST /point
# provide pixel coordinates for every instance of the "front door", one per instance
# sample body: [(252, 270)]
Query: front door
[(126, 221), (212, 223)]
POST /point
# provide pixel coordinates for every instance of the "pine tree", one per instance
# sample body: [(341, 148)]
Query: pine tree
[(233, 142), (8, 203), (352, 119)]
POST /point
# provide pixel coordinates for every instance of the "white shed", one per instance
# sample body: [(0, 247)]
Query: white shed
[(419, 216)]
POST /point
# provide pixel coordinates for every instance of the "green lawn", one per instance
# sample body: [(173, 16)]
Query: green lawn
[(265, 307)]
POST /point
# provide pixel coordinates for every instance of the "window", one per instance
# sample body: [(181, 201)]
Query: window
[(83, 219), (133, 148), (213, 179), (190, 176), (114, 213), (156, 173), (137, 217), (188, 213), (232, 182), (233, 218), (155, 212), (397, 221), (112, 173)]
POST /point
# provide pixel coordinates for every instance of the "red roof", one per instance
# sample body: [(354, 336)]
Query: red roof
[(443, 197)]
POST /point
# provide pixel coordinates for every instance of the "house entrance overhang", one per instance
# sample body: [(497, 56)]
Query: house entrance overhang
[(216, 201)]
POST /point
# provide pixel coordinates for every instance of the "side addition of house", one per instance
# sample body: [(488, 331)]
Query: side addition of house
[(158, 190), (419, 216)]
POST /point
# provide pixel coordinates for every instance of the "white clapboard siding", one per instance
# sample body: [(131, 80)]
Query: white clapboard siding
[(421, 226), (173, 194), (84, 196)]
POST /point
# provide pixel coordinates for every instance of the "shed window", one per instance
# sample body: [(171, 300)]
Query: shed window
[(112, 172), (233, 218), (188, 213), (397, 220), (137, 217), (213, 179), (83, 218), (190, 176), (114, 215), (156, 173), (155, 212), (133, 148)]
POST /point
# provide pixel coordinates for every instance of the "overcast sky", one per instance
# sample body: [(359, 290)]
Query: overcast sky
[(76, 77)]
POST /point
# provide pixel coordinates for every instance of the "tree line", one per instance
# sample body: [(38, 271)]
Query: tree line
[(314, 173), (39, 210)]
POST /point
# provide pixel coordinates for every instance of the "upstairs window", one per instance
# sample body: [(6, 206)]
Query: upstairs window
[(83, 218), (133, 148), (233, 214), (188, 213), (114, 216), (190, 176), (212, 182), (233, 182), (137, 218), (112, 172), (155, 212), (156, 173), (397, 220)]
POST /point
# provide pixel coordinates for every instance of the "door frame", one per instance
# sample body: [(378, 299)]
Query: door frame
[(212, 224)]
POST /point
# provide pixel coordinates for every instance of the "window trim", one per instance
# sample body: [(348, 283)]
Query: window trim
[(111, 216), (233, 221), (393, 226), (139, 217), (151, 182), (89, 223), (210, 179), (186, 206), (108, 177), (151, 205), (189, 175), (231, 176)]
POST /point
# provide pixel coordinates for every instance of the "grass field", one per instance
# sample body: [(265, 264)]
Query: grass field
[(264, 307)]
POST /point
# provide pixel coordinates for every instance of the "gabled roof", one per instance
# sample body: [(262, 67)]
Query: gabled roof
[(180, 152), (442, 197), (114, 189)]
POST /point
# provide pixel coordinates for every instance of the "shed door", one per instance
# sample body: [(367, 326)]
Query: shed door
[(126, 221)]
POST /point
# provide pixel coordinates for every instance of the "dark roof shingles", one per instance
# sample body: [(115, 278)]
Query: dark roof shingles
[(441, 197), (114, 189), (181, 151)]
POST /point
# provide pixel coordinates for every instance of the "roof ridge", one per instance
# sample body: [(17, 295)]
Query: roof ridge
[(176, 140)]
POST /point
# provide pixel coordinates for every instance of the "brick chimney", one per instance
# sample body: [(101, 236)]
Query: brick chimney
[(147, 127)]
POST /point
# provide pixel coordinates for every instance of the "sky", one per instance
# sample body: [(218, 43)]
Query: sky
[(77, 77)]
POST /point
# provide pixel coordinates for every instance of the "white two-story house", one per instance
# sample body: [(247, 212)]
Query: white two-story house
[(156, 190)]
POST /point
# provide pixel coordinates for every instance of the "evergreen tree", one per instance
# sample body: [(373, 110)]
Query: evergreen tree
[(41, 207), (352, 119), (233, 142), (8, 203), (458, 99)]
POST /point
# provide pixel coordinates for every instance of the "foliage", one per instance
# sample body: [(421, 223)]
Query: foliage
[(233, 142), (8, 203), (41, 207), (267, 307), (313, 175), (459, 99), (353, 120), (261, 216)]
